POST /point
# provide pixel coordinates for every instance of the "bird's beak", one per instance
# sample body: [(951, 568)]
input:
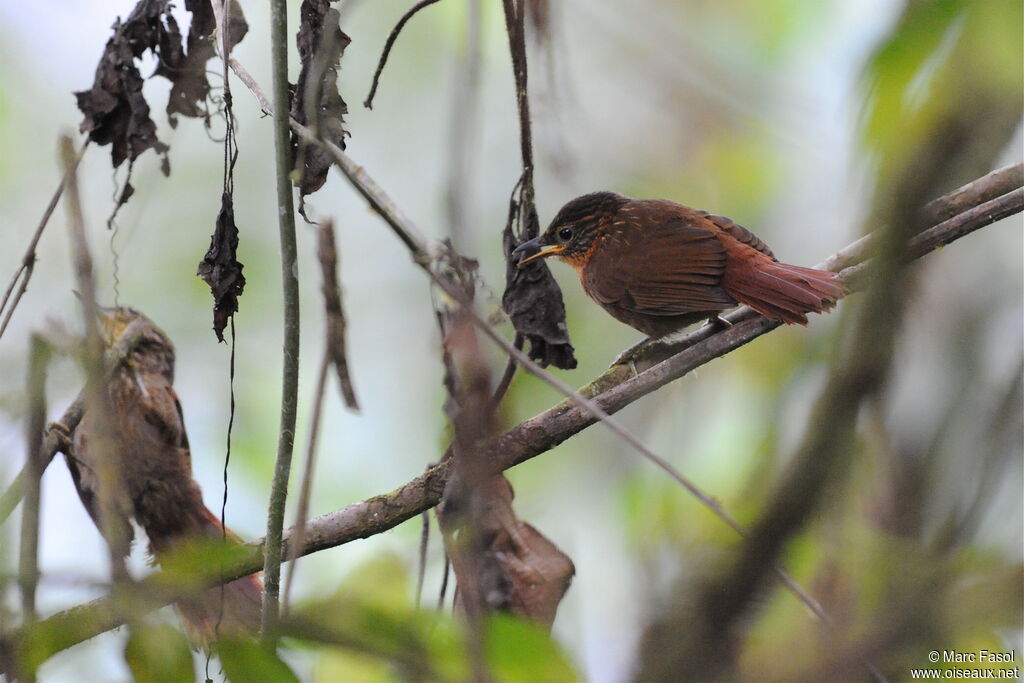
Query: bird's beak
[(545, 251), (111, 323)]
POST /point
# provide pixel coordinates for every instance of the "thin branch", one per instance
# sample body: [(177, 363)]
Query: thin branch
[(302, 508), (463, 134), (613, 390), (28, 566), (110, 493), (28, 261), (387, 47), (334, 313), (290, 284)]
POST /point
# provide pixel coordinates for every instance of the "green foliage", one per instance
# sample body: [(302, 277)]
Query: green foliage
[(245, 661), (518, 650), (159, 653), (374, 632), (944, 66)]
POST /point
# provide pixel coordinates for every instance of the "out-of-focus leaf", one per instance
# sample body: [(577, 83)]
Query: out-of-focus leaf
[(519, 650), (246, 661), (45, 639), (372, 618), (344, 665), (158, 653), (942, 70)]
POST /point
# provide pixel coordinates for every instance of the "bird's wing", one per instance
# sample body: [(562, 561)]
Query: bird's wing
[(672, 269)]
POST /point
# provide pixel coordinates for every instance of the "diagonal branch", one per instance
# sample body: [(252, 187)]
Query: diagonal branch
[(612, 391)]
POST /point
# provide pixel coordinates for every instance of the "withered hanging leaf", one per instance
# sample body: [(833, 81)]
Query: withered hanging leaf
[(327, 254), (534, 304), (517, 568), (187, 71), (321, 43), (115, 111), (220, 268)]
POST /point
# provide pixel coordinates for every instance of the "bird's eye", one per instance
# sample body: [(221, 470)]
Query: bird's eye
[(565, 234)]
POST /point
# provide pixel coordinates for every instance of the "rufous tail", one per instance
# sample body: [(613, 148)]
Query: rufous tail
[(232, 609), (780, 291)]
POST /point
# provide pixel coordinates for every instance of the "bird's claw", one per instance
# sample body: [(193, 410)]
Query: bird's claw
[(631, 355), (62, 433)]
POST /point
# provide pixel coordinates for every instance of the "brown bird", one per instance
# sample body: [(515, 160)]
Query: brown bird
[(148, 432), (659, 266)]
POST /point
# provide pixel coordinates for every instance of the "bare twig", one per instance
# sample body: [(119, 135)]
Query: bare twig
[(462, 136), (289, 276), (28, 569), (327, 254), (28, 261), (110, 493), (302, 507), (988, 187), (390, 42)]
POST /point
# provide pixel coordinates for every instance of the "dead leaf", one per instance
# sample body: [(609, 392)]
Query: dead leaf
[(534, 304), (518, 569), (220, 268), (321, 43), (115, 111), (187, 71), (327, 254)]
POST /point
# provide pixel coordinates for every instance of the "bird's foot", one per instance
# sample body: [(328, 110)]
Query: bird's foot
[(63, 435), (719, 322), (631, 355)]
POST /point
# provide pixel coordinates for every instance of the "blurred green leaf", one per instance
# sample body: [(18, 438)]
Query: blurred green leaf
[(158, 653), (200, 560), (247, 661), (945, 71), (519, 650)]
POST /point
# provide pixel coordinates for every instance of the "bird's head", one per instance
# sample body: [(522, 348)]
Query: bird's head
[(575, 228), (149, 343)]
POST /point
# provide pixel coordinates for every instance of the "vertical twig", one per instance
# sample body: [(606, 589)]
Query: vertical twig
[(515, 26), (97, 399), (28, 565), (464, 128), (298, 538), (289, 274)]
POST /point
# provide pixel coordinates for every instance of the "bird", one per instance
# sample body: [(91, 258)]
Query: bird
[(660, 266), (147, 430)]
